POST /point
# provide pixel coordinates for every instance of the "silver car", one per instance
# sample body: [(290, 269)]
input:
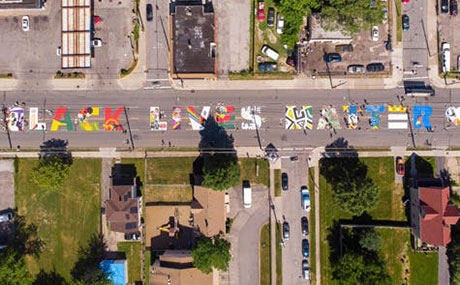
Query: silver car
[(356, 68)]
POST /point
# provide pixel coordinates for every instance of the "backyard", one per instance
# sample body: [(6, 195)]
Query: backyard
[(132, 251), (65, 218)]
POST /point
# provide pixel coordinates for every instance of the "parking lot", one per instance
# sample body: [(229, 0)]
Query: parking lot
[(447, 26), (365, 51)]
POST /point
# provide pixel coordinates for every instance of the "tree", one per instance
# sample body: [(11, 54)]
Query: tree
[(350, 16), (453, 255), (51, 172), (13, 269), (356, 196), (86, 270), (221, 171), (355, 269), (370, 239), (211, 253)]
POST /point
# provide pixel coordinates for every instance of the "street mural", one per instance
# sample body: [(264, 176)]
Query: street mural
[(298, 119), (250, 117), (453, 115)]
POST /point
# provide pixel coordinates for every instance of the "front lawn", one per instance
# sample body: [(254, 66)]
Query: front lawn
[(250, 172), (132, 251), (65, 218), (170, 170), (264, 255), (423, 268)]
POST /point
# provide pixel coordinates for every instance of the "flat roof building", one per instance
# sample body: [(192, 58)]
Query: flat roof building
[(21, 4), (193, 28)]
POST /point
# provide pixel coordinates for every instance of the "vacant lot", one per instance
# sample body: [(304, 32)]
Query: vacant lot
[(65, 218), (255, 170), (395, 246), (132, 251), (170, 170)]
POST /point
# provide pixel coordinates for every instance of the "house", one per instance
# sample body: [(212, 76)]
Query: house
[(117, 270), (124, 206), (431, 214), (193, 40), (208, 209), (176, 267)]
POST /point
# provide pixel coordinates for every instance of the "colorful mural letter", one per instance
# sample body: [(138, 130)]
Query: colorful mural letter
[(111, 122), (34, 124), (176, 118), (298, 119), (422, 116), (453, 115), (61, 119), (83, 119), (397, 117), (351, 117), (224, 116), (197, 121), (155, 123), (375, 111), (250, 113), (15, 119), (329, 118)]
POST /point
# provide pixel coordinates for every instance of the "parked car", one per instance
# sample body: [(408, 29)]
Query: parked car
[(96, 42), (305, 248), (453, 8), (356, 68), (149, 11), (294, 158), (271, 17), (271, 53), (8, 216), (58, 51), (444, 6), (267, 66), (445, 48), (400, 169), (332, 57), (132, 236), (375, 67), (344, 48), (305, 198), (25, 23), (284, 181), (279, 24), (405, 22), (247, 194), (375, 33), (304, 226), (291, 61), (458, 62), (305, 270), (286, 231), (261, 11)]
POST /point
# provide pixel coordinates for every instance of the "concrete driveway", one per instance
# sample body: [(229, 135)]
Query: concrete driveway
[(245, 235), (6, 184)]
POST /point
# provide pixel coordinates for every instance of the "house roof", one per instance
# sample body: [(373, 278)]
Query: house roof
[(436, 215), (122, 209), (211, 220)]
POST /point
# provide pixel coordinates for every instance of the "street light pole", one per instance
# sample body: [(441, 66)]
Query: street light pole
[(129, 128)]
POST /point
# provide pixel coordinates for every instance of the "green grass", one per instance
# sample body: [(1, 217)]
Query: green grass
[(170, 170), (395, 245), (273, 75), (251, 38), (147, 257), (279, 256), (312, 223), (132, 251), (6, 75), (264, 255), (389, 206), (277, 182), (398, 21), (249, 171), (423, 268), (65, 219), (168, 193)]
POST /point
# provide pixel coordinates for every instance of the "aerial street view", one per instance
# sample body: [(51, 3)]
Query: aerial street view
[(229, 142)]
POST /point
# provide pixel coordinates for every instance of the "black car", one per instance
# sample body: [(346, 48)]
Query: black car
[(285, 231), (149, 12), (453, 8), (375, 67), (444, 6), (284, 181), (405, 22), (267, 66), (304, 225), (271, 17), (305, 248), (332, 57)]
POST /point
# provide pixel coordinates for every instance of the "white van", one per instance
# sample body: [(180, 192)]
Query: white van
[(247, 194), (271, 53), (445, 48)]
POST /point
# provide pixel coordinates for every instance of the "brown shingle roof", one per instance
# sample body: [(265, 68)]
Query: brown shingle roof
[(122, 209), (211, 220)]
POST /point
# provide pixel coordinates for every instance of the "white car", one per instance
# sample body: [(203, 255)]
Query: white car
[(58, 51), (97, 42), (279, 24), (271, 53), (25, 23), (375, 33), (6, 217)]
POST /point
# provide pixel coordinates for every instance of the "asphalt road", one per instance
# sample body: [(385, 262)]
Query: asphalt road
[(272, 108)]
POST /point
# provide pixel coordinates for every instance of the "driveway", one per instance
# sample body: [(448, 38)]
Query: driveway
[(6, 184), (245, 234), (292, 213)]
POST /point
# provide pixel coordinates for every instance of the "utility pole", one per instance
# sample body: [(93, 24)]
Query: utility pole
[(255, 123), (129, 128), (410, 124)]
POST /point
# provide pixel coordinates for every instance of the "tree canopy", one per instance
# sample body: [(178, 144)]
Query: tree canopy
[(355, 269), (221, 171), (13, 270), (453, 254), (51, 173), (370, 240), (211, 253)]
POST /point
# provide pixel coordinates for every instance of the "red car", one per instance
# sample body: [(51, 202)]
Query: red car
[(261, 11), (400, 169), (405, 1)]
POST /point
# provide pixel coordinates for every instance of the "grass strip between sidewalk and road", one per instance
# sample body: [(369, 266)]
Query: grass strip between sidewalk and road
[(264, 255), (277, 182), (398, 20), (279, 256), (311, 225)]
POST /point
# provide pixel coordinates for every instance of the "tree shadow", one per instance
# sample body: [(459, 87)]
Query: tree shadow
[(25, 239), (49, 278), (56, 148), (90, 255), (126, 174)]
